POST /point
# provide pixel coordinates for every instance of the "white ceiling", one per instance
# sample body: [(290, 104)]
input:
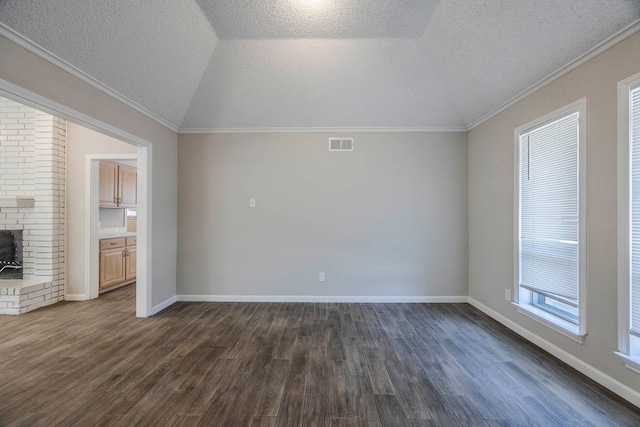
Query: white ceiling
[(238, 64), (322, 19)]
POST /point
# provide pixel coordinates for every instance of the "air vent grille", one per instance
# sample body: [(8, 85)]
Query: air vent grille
[(340, 144)]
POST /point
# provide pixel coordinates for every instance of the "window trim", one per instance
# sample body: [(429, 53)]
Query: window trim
[(550, 320), (563, 314), (625, 86), (522, 298)]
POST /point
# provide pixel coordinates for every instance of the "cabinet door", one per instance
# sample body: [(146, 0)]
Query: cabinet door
[(128, 186), (108, 185), (131, 260), (112, 267)]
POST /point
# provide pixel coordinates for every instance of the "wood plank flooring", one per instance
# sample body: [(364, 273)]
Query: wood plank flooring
[(282, 364)]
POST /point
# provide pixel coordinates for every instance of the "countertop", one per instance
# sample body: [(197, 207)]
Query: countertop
[(114, 235)]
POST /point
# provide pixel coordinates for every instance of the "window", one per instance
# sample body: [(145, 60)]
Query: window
[(550, 224), (629, 221)]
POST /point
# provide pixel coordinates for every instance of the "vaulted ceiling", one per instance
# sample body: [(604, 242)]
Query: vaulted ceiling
[(275, 64)]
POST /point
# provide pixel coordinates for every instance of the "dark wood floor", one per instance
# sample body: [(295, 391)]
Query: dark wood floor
[(279, 364)]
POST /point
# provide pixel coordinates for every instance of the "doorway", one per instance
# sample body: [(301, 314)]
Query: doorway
[(144, 156), (98, 231)]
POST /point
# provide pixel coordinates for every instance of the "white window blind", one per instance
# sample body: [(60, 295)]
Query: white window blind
[(549, 206), (634, 133)]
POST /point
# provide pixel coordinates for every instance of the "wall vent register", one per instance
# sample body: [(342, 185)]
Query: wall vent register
[(340, 144)]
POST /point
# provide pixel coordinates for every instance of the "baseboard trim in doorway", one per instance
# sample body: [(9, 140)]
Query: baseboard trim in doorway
[(319, 298), (598, 376), (164, 304), (75, 297)]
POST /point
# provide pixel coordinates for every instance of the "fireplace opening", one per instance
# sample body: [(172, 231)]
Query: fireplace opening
[(11, 254)]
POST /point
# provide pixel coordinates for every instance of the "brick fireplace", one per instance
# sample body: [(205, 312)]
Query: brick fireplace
[(32, 196)]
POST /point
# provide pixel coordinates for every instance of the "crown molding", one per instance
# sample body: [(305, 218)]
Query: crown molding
[(43, 53), (322, 129), (608, 43), (36, 49), (38, 102)]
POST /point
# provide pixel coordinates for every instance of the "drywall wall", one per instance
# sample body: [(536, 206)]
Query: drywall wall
[(80, 143), (386, 220), (491, 204), (30, 72)]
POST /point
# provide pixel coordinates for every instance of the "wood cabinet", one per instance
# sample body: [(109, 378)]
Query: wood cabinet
[(108, 194), (117, 262), (118, 186), (112, 267), (127, 186), (131, 259)]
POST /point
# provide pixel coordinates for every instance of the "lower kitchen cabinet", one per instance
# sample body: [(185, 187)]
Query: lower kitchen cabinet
[(130, 263), (117, 262)]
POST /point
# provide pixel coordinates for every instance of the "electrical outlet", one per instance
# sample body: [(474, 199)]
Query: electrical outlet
[(321, 277), (507, 294)]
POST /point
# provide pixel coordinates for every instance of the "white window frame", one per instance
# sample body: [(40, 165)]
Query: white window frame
[(628, 345), (523, 298)]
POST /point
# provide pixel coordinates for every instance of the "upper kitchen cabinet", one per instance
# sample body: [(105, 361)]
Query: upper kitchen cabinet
[(108, 185), (127, 186), (118, 186)]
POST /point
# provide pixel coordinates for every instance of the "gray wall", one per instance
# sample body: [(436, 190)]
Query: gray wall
[(389, 219), (30, 72), (491, 203)]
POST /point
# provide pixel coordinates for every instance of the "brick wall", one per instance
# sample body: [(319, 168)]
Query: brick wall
[(17, 148), (32, 162)]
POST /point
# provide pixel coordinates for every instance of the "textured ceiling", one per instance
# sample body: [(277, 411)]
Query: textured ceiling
[(152, 52), (491, 50), (321, 83), (350, 19), (229, 64)]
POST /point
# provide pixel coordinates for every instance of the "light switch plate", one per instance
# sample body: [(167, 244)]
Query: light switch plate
[(252, 203)]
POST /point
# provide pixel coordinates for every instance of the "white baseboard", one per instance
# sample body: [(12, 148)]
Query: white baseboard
[(318, 298), (600, 377), (75, 297), (164, 304)]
